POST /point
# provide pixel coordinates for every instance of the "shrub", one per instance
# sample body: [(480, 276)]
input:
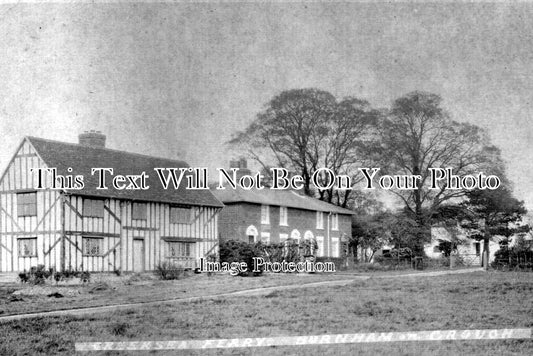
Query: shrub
[(37, 275), (513, 258), (278, 252), (120, 328), (24, 277), (169, 271), (85, 276), (239, 251)]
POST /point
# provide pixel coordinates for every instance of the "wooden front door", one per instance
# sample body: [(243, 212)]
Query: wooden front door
[(138, 255)]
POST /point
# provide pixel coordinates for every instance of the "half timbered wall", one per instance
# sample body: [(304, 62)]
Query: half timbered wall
[(126, 244)]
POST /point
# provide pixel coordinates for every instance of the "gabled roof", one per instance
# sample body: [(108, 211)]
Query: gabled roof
[(82, 159), (268, 196)]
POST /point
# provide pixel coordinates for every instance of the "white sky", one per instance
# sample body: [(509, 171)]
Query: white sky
[(176, 80)]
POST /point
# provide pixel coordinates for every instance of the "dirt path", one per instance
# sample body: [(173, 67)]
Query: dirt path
[(247, 292)]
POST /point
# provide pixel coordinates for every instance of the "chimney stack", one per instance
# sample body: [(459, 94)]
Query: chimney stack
[(242, 165), (92, 139)]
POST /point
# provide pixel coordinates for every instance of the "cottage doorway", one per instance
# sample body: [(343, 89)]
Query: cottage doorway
[(138, 255), (251, 233)]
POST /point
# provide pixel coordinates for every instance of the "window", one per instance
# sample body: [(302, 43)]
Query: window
[(283, 237), (180, 215), (93, 208), (180, 249), (334, 247), (92, 246), (265, 237), (27, 247), (320, 243), (335, 222), (283, 215), (319, 220), (251, 239), (27, 204), (139, 211), (295, 235), (265, 214)]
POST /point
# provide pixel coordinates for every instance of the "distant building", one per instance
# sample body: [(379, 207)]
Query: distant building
[(272, 216), (469, 249), (99, 230)]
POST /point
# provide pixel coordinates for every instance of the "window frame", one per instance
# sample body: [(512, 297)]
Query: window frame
[(335, 222), (283, 218), (265, 214), (23, 206), (335, 242), (321, 246), (320, 220), (34, 246), (176, 220), (91, 212), (139, 208), (185, 246), (265, 237), (84, 251)]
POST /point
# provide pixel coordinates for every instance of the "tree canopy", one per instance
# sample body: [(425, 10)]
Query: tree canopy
[(307, 129)]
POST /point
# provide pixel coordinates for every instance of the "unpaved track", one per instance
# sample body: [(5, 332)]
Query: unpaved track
[(246, 292)]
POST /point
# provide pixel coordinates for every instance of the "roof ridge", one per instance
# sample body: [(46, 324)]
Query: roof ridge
[(105, 149)]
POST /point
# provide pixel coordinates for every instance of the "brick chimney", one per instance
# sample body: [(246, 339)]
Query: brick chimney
[(92, 139), (242, 165)]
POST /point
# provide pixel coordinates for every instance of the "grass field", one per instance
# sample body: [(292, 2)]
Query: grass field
[(480, 300)]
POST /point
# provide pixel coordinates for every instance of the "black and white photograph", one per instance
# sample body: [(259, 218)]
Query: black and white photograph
[(266, 178)]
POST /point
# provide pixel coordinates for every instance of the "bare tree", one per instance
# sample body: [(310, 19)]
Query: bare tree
[(307, 129)]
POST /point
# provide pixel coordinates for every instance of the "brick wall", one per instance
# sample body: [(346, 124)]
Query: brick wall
[(234, 219)]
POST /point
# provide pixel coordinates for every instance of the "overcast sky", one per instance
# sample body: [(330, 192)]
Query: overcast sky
[(176, 80)]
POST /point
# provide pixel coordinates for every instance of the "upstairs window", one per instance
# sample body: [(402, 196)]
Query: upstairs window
[(319, 220), (265, 214), (335, 222), (180, 215), (27, 247), (139, 211), (283, 215), (27, 204), (93, 208)]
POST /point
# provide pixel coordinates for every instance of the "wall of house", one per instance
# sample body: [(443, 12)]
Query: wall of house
[(45, 227), (466, 249), (117, 230), (122, 234), (236, 219)]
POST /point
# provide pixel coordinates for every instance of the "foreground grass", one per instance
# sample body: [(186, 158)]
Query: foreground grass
[(134, 289), (469, 301)]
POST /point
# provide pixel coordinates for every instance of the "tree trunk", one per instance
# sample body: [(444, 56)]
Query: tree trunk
[(486, 249)]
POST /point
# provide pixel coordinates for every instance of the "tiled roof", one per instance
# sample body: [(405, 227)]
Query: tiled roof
[(286, 198), (82, 159)]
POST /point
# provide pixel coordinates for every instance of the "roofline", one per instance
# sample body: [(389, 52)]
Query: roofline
[(348, 212), (78, 193), (106, 149), (183, 164), (24, 139)]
